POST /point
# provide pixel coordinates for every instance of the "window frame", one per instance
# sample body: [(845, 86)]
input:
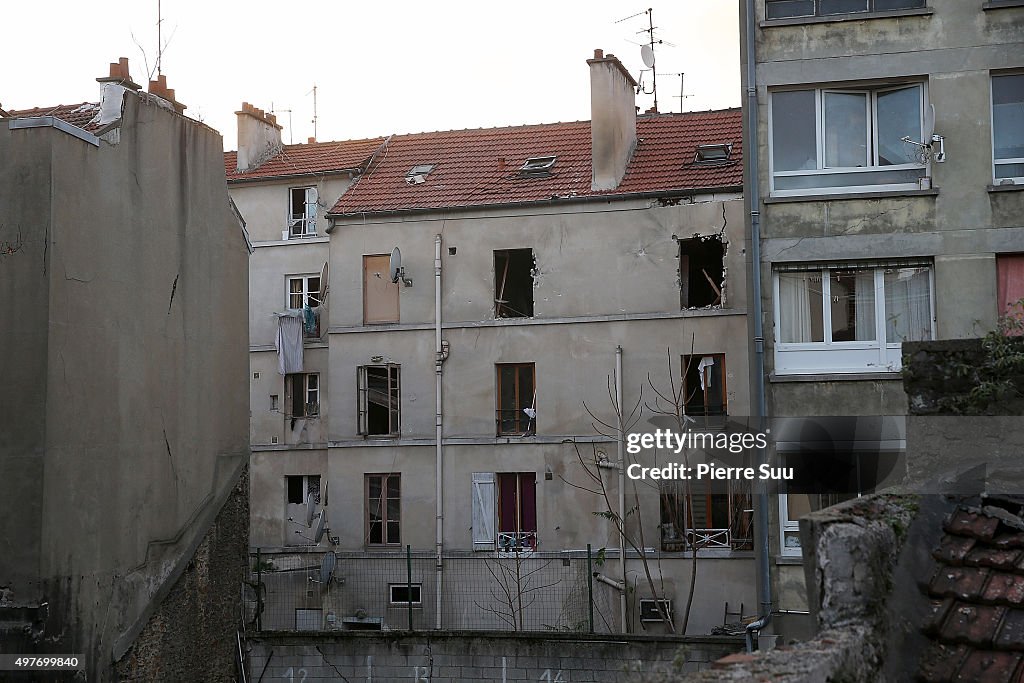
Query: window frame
[(719, 359), (306, 224), (530, 422), (417, 590), (856, 355), (307, 392), (996, 180), (385, 520), (869, 9), (522, 539), (872, 91), (394, 396), (309, 296)]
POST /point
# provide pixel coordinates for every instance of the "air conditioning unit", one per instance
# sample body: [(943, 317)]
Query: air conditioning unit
[(649, 610)]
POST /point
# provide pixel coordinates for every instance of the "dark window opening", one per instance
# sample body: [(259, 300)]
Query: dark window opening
[(513, 283), (517, 511), (712, 154), (383, 509), (701, 271), (299, 485), (704, 389), (379, 400), (718, 515), (304, 393), (517, 399), (403, 594), (537, 167)]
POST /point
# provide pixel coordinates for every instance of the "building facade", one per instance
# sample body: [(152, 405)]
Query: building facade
[(548, 274), (889, 145)]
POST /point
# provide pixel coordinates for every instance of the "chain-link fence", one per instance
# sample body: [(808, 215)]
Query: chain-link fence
[(504, 591)]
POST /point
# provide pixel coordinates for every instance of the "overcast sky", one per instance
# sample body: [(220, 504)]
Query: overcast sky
[(379, 67)]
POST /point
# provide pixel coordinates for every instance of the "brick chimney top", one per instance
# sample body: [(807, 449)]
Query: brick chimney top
[(310, 141), (119, 74), (160, 89), (258, 114)]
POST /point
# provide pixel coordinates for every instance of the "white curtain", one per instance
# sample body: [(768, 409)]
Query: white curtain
[(795, 307), (907, 305), (864, 305)]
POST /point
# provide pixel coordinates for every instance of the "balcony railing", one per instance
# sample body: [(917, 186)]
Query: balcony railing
[(517, 541), (708, 538)]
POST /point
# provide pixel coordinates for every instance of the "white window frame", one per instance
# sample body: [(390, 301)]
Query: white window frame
[(877, 355), (869, 8), (872, 92), (417, 589), (307, 291), (304, 227), (1017, 180), (788, 527)]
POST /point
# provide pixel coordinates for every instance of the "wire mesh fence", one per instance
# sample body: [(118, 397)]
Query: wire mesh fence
[(502, 591)]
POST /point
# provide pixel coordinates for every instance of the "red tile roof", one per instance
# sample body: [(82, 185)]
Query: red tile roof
[(316, 157), (76, 114), (976, 615), (480, 167)]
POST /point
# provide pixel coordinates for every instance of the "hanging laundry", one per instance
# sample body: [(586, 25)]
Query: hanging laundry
[(289, 342), (309, 320), (705, 362)]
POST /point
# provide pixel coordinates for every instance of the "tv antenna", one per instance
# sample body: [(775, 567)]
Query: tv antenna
[(284, 111), (159, 37), (647, 55), (682, 86), (314, 110)]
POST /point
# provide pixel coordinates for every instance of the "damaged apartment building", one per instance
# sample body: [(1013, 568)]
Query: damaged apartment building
[(441, 323), (886, 189), (123, 441)]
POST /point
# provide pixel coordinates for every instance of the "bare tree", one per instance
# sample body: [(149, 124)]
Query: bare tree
[(515, 588)]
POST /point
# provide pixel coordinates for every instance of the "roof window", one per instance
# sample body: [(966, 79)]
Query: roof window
[(537, 166), (418, 173), (712, 154)]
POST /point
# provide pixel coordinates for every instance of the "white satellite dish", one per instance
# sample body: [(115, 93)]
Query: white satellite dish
[(929, 123), (396, 268), (325, 284), (310, 508), (647, 54), (321, 526), (327, 566)]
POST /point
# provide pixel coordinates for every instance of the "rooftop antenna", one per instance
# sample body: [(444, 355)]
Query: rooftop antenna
[(159, 37), (275, 112), (647, 54), (314, 110), (681, 95)]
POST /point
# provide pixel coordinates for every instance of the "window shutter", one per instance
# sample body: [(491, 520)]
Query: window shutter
[(361, 406), (483, 511)]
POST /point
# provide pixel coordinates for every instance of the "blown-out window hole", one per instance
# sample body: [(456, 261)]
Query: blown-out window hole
[(701, 271), (513, 283)]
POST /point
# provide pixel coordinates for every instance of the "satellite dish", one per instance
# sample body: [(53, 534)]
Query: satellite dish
[(321, 525), (929, 123), (395, 266), (327, 566), (310, 508), (325, 284), (647, 54)]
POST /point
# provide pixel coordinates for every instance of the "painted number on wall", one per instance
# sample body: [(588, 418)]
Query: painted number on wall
[(290, 675), (546, 676), (421, 673)]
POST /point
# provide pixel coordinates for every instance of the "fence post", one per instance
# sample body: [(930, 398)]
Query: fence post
[(590, 588), (408, 581), (259, 592)]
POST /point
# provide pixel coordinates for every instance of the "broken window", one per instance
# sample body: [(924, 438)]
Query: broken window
[(717, 514), (383, 509), (513, 283), (517, 399), (300, 485), (704, 389), (701, 271), (712, 154), (303, 394), (304, 294), (537, 167), (380, 294), (302, 212), (379, 395), (517, 511)]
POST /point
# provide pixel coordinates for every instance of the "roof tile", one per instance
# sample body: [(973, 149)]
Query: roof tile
[(965, 583), (1005, 589), (1006, 560), (307, 159), (80, 115), (966, 523), (1011, 635), (983, 666), (973, 624), (940, 662), (953, 549)]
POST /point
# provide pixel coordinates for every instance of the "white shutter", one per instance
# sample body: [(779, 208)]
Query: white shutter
[(483, 511), (311, 210)]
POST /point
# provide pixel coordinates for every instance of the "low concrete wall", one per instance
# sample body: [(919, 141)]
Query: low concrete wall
[(452, 656)]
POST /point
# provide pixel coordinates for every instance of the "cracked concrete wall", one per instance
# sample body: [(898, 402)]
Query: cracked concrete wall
[(142, 362)]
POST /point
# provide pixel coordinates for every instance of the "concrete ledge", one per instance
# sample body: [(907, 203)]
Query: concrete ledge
[(837, 377), (1016, 187), (853, 16), (1000, 4), (841, 196)]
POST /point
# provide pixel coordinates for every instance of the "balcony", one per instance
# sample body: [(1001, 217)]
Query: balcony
[(517, 541)]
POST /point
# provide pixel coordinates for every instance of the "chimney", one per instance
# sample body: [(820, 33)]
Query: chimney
[(159, 89), (259, 137), (612, 120), (112, 89)]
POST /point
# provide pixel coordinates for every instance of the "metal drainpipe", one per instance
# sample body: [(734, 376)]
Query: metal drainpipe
[(439, 358), (622, 482), (761, 501)]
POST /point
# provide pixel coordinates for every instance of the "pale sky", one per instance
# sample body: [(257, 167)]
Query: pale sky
[(379, 67)]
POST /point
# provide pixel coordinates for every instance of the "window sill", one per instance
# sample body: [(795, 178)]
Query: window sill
[(789, 559), (1017, 187), (851, 195), (1000, 4), (837, 376), (857, 16)]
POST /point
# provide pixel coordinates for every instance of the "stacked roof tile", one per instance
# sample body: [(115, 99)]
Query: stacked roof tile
[(480, 167), (307, 159), (80, 115), (976, 621)]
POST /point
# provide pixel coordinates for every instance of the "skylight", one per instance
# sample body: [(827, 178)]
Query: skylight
[(710, 154), (537, 166), (420, 169)]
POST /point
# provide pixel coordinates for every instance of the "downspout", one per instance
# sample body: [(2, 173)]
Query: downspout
[(754, 189), (440, 354), (622, 482)]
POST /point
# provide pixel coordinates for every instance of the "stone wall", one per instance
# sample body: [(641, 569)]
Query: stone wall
[(192, 634), (940, 376), (451, 656)]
